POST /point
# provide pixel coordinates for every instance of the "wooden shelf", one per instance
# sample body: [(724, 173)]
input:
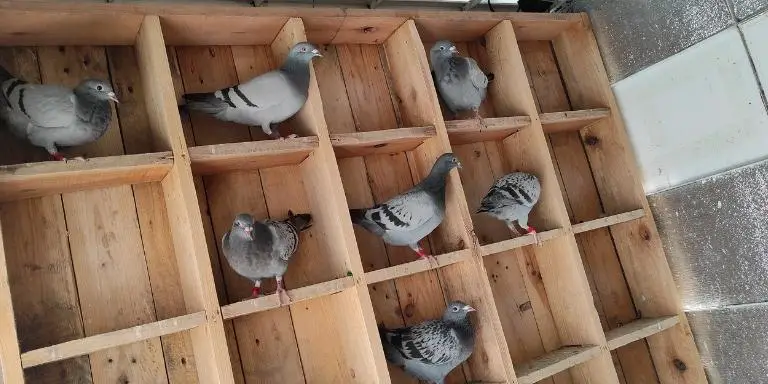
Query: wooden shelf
[(219, 158), (265, 303), (519, 242), (639, 329), (108, 340), (608, 221), (380, 142), (414, 267), (496, 128), (554, 362), (24, 181), (570, 121)]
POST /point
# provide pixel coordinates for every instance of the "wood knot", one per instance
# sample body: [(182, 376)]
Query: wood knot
[(408, 310), (680, 365), (368, 29), (645, 234), (525, 306), (380, 145), (591, 140)]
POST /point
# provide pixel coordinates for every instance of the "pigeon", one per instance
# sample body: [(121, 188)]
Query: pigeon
[(432, 349), (409, 217), (258, 250), (49, 116), (267, 99), (511, 198), (461, 83)]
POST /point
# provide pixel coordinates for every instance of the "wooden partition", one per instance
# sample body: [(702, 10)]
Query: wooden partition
[(111, 268)]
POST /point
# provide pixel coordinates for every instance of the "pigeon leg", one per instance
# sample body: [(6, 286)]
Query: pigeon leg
[(530, 230), (54, 152), (513, 229), (282, 295), (256, 291), (271, 130), (433, 263), (479, 119)]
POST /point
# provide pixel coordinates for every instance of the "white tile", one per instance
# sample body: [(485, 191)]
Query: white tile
[(756, 35), (695, 114)]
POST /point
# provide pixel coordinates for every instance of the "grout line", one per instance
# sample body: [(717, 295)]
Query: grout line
[(752, 66)]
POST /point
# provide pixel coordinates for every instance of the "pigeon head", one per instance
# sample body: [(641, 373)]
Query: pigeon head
[(442, 49), (457, 311), (301, 221), (445, 163), (304, 52), (243, 225), (98, 89)]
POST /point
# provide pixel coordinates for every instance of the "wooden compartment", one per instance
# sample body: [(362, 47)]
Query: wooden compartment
[(111, 269)]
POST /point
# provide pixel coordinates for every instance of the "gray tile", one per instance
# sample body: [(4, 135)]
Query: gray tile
[(746, 8), (635, 34), (732, 343), (715, 235)]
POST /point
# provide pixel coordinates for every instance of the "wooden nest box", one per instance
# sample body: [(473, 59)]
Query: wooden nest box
[(112, 269)]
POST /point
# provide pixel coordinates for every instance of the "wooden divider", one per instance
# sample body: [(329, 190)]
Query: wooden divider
[(199, 291), (637, 242), (562, 273), (371, 128)]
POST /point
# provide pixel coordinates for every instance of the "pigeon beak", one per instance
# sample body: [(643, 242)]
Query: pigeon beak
[(469, 309), (453, 49), (249, 232), (113, 97), (458, 164), (316, 53)]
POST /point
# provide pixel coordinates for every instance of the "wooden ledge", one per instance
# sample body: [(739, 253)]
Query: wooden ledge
[(519, 242), (639, 329), (554, 362), (414, 267), (496, 128), (28, 180), (571, 121), (380, 142), (265, 303), (608, 221), (108, 340), (251, 155)]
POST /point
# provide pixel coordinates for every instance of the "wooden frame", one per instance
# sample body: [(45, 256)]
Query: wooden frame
[(594, 296)]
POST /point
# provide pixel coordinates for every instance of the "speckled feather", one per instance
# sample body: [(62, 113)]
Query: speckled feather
[(267, 255), (512, 197), (432, 349)]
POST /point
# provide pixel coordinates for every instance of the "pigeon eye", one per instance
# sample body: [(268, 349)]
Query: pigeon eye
[(99, 88), (442, 48), (455, 309)]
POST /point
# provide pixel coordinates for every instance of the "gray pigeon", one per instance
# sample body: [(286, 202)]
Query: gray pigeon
[(259, 250), (409, 217), (267, 99), (431, 350), (461, 83), (511, 198), (50, 115)]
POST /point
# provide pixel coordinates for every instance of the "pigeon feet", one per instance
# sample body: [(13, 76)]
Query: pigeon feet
[(536, 238), (58, 156), (283, 296), (433, 263)]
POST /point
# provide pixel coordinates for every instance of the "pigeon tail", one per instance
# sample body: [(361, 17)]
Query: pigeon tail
[(205, 102), (299, 222), (5, 75), (358, 216)]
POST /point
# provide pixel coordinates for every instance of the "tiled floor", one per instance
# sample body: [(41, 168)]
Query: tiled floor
[(696, 113), (756, 35)]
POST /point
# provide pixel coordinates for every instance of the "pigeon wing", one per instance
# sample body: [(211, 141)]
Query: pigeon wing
[(479, 80), (261, 92), (430, 342), (403, 212), (45, 105)]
